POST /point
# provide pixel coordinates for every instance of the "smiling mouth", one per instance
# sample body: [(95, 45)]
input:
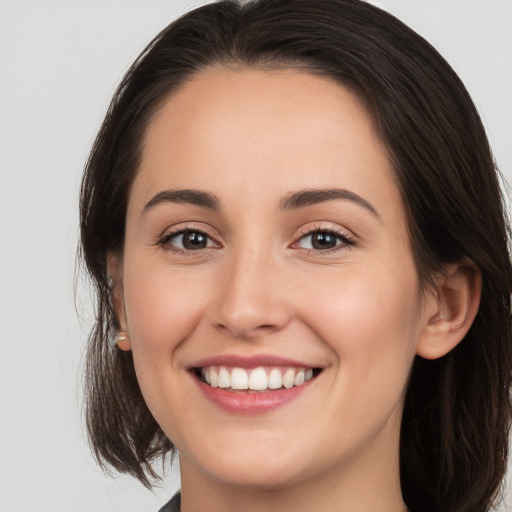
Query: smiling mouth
[(255, 380)]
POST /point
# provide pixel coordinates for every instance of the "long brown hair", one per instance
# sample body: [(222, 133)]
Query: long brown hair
[(455, 427)]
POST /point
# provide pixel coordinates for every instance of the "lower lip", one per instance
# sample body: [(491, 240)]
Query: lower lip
[(240, 402)]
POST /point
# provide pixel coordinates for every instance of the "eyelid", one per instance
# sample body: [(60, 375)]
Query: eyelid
[(347, 238), (170, 233)]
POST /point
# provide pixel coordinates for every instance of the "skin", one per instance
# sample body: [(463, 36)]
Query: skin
[(252, 137)]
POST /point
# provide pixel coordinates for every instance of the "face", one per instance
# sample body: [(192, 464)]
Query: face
[(267, 281)]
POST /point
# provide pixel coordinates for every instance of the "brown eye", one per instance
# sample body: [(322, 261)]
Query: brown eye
[(322, 240), (189, 240)]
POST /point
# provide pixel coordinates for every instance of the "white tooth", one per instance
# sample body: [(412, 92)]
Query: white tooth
[(309, 374), (288, 378), (206, 375), (275, 379), (224, 378), (214, 378), (258, 380), (299, 378), (239, 379)]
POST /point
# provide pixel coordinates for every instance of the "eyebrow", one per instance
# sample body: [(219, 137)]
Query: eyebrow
[(292, 201), (308, 197), (195, 197)]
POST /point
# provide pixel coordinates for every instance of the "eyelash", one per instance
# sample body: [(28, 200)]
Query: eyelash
[(164, 241), (346, 240)]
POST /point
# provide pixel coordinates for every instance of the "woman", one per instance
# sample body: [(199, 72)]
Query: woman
[(293, 220)]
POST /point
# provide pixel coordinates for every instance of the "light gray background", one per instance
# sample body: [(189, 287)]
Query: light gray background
[(59, 64)]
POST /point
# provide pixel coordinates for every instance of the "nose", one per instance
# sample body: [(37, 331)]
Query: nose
[(253, 295)]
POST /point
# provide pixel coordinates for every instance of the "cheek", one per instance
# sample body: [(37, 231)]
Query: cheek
[(369, 316), (369, 320), (162, 308)]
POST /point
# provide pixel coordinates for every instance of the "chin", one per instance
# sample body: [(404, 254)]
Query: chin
[(266, 467), (269, 475)]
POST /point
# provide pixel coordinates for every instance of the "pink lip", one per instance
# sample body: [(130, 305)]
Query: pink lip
[(251, 403), (248, 361), (243, 402)]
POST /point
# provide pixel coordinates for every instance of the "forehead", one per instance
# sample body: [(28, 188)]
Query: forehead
[(235, 131)]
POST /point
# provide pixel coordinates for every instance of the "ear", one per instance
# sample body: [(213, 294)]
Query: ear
[(450, 309), (115, 271)]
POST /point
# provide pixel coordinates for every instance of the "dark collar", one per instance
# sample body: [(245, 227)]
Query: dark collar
[(174, 505)]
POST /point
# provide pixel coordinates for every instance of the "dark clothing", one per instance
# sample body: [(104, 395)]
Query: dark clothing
[(174, 505)]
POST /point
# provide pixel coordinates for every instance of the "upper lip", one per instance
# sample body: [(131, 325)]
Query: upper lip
[(239, 361)]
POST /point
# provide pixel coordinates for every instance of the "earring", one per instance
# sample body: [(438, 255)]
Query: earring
[(123, 336)]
